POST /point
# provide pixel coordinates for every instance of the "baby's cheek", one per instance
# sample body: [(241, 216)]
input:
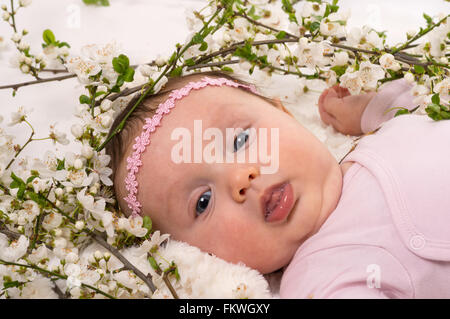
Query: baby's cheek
[(233, 228)]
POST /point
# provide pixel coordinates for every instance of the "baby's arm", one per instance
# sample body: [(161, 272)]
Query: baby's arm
[(362, 113)]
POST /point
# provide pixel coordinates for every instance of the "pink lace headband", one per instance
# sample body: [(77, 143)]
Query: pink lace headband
[(134, 160)]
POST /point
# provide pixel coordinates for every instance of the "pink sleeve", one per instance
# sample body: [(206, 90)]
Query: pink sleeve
[(349, 271), (393, 94)]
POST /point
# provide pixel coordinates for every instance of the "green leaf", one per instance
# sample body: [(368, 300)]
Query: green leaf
[(435, 99), (16, 179), (62, 44), (84, 99), (203, 46), (147, 223), (227, 69), (339, 69), (11, 284), (197, 38), (61, 164), (400, 112), (129, 75), (48, 36), (281, 35), (39, 199), (31, 178), (120, 81), (153, 263), (428, 19), (314, 26), (177, 71), (419, 69), (104, 3), (189, 62), (14, 184), (121, 63), (21, 192)]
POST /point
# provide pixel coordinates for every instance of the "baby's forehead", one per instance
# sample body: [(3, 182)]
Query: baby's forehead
[(212, 105)]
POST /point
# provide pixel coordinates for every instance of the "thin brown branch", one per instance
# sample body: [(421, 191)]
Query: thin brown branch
[(18, 85)]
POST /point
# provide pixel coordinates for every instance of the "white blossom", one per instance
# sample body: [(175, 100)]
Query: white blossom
[(387, 61), (12, 252), (19, 116), (340, 58), (352, 81), (52, 221), (97, 209), (443, 89), (58, 136), (28, 213), (370, 74), (409, 77), (133, 225)]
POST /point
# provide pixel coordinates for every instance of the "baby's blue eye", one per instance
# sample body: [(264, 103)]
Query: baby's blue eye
[(202, 202), (241, 139)]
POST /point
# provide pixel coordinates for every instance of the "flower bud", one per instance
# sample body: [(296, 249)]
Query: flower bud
[(79, 225), (59, 192), (72, 257), (60, 242), (16, 37), (87, 151), (93, 189), (25, 68), (24, 3), (78, 164), (341, 58), (160, 61), (6, 16), (98, 254), (409, 77), (28, 60), (106, 121), (105, 105), (77, 130), (23, 46)]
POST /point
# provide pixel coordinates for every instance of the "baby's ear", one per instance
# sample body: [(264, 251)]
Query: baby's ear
[(277, 103)]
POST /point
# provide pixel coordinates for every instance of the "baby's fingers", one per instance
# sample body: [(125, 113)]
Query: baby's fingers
[(332, 103)]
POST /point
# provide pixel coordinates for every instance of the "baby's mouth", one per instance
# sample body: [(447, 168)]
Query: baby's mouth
[(277, 202)]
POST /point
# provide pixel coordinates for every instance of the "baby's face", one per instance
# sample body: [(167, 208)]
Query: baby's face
[(218, 207)]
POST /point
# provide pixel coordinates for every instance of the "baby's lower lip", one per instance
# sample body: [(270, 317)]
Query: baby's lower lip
[(284, 206)]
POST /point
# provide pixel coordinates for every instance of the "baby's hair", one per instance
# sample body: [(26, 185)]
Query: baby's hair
[(119, 144)]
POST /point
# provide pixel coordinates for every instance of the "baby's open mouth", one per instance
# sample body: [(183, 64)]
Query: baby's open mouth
[(277, 202)]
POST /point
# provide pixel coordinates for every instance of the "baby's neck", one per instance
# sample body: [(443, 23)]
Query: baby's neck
[(331, 195)]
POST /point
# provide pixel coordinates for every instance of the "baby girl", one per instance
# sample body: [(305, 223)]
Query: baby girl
[(374, 226)]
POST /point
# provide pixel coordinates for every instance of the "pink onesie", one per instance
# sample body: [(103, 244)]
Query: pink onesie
[(389, 236)]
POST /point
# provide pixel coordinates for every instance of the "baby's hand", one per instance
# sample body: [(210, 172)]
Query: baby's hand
[(337, 107)]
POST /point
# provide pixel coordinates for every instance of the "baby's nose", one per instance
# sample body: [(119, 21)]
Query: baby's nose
[(240, 181)]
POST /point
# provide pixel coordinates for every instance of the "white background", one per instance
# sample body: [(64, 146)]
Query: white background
[(144, 28)]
